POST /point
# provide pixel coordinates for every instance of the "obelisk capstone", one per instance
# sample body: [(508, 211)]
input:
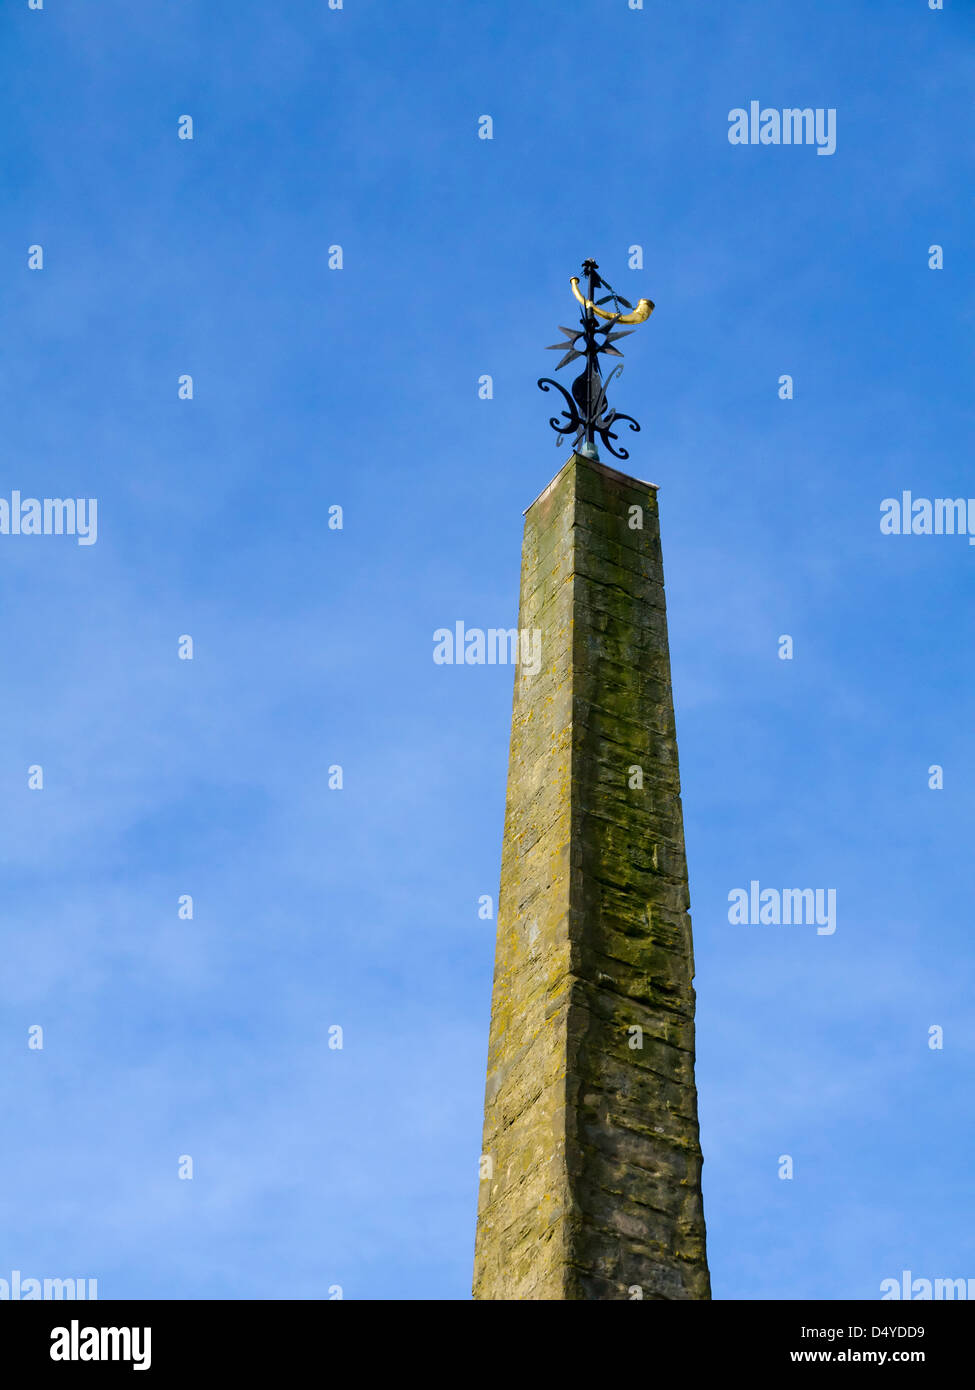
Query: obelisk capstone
[(591, 1160)]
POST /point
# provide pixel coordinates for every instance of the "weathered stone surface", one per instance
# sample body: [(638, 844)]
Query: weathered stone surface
[(591, 1154)]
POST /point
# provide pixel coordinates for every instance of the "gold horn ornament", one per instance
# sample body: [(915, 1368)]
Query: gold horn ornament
[(640, 314)]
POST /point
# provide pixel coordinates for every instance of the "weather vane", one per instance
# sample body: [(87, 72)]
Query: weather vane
[(588, 414)]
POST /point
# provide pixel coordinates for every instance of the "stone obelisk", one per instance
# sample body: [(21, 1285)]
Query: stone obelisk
[(591, 1161)]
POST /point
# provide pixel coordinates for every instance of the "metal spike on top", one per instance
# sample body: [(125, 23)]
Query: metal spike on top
[(587, 412)]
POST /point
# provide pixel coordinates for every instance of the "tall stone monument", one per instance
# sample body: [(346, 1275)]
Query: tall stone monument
[(591, 1162)]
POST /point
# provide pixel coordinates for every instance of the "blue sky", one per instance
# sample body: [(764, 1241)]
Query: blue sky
[(357, 387)]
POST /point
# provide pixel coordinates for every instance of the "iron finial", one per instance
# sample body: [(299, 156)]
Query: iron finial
[(587, 412)]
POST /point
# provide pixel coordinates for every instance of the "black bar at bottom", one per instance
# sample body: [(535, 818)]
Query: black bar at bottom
[(70, 1339)]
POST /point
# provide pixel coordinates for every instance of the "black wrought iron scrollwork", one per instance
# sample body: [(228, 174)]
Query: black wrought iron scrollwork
[(587, 414)]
